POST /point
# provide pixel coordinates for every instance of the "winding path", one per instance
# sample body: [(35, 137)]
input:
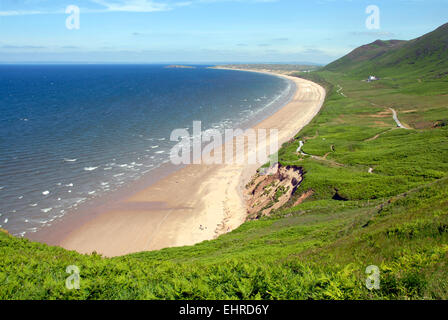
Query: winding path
[(395, 116)]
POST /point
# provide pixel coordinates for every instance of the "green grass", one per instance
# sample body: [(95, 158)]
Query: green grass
[(395, 217), (319, 251), (424, 58)]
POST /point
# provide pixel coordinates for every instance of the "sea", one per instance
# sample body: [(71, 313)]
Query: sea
[(71, 134)]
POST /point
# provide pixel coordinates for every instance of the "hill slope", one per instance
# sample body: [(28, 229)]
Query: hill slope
[(358, 57), (426, 56)]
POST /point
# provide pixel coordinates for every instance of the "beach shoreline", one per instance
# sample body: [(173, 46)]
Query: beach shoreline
[(189, 205)]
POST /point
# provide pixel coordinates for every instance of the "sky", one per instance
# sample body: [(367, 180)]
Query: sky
[(206, 31)]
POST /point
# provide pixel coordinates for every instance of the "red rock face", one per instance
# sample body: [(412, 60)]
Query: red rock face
[(266, 193)]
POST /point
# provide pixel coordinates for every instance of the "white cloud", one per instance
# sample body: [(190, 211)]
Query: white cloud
[(132, 5), (122, 6), (151, 5), (23, 12), (102, 6)]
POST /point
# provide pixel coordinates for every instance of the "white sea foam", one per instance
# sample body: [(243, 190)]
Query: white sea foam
[(69, 185), (33, 205), (46, 210), (153, 147), (91, 192), (90, 168), (70, 160), (158, 152), (108, 168), (118, 175)]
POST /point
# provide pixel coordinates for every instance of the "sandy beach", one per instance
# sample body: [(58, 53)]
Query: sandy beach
[(193, 204)]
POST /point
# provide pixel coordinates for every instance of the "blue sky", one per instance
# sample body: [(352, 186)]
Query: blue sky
[(205, 31)]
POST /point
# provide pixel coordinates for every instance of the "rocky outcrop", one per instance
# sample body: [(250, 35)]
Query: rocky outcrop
[(271, 191)]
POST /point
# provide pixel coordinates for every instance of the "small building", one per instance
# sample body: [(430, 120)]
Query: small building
[(372, 78)]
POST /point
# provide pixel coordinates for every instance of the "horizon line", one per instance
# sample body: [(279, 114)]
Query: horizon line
[(157, 63)]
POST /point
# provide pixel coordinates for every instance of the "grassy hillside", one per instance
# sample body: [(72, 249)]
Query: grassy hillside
[(358, 57), (379, 196), (426, 57)]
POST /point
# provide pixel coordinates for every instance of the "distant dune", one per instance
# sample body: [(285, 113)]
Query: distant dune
[(175, 66)]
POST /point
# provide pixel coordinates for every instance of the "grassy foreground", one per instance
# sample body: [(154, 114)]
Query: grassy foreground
[(394, 217)]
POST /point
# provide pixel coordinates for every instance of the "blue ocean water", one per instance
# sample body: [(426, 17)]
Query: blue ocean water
[(72, 133)]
